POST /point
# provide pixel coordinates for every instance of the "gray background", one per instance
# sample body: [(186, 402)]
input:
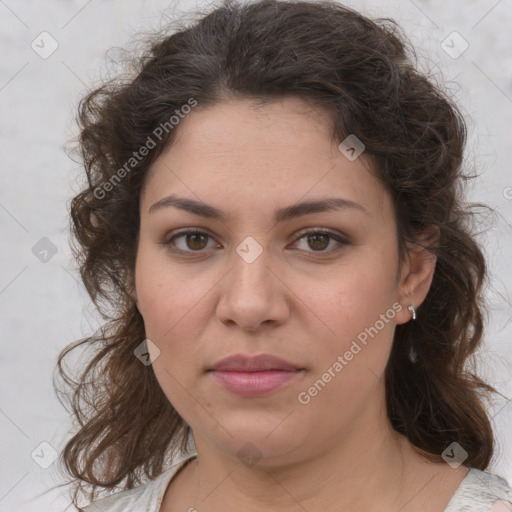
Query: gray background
[(43, 305)]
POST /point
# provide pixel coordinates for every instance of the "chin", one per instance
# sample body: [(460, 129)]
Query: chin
[(267, 442)]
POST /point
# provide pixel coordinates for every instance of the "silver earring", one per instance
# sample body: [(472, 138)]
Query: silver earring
[(412, 310)]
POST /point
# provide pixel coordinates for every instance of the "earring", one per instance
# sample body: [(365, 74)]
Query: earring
[(413, 357), (412, 310)]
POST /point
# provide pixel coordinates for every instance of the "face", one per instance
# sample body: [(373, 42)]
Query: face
[(318, 288)]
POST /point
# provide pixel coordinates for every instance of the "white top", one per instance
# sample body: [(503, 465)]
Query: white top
[(479, 491)]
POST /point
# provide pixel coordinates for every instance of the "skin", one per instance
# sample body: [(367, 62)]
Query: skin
[(304, 305)]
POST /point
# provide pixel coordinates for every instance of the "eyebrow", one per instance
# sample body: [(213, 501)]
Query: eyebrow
[(280, 215)]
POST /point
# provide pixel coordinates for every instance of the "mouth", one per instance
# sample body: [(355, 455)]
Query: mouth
[(251, 376)]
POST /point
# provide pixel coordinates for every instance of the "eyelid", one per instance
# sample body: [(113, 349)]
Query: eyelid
[(326, 231)]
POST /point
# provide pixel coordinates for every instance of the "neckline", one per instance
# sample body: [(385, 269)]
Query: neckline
[(494, 484), (173, 472), (170, 474), (459, 490)]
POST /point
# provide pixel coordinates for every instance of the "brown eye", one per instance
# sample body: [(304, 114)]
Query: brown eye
[(188, 241), (196, 241), (321, 241), (318, 242)]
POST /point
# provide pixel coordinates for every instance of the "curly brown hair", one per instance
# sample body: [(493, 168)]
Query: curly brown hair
[(365, 73)]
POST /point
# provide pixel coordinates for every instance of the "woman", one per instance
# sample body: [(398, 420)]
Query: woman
[(274, 232)]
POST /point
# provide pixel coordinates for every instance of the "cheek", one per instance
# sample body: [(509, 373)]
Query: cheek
[(169, 322), (359, 312), (350, 362), (355, 298), (162, 294), (171, 308)]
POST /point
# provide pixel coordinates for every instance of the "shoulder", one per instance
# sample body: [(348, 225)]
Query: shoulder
[(479, 491), (147, 496)]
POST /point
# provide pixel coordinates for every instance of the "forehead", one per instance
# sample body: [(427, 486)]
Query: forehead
[(246, 154)]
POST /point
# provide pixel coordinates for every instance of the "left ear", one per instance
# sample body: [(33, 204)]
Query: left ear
[(417, 273), (132, 293)]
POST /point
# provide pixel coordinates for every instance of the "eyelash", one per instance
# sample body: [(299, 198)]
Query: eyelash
[(194, 231)]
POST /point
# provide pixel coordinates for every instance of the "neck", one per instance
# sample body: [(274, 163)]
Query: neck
[(368, 460)]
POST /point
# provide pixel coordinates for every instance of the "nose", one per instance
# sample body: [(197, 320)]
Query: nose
[(253, 295)]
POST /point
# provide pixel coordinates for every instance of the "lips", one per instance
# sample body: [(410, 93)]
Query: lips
[(254, 376), (249, 363)]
